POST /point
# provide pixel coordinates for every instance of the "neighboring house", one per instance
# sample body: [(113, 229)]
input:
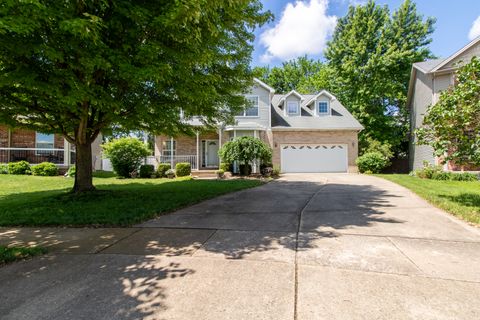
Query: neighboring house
[(35, 147), (308, 133), (428, 80)]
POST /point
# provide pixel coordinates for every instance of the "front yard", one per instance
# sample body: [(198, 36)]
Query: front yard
[(460, 198), (45, 201)]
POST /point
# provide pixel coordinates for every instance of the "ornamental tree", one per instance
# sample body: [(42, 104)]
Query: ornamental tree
[(245, 150), (79, 67), (452, 125)]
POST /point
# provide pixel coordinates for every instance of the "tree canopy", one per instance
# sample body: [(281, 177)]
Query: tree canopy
[(245, 150), (452, 125), (78, 67), (371, 55)]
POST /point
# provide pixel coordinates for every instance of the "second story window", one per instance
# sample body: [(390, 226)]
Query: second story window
[(252, 110), (323, 109), (292, 108)]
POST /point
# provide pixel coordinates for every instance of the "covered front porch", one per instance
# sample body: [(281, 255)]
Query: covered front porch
[(200, 150)]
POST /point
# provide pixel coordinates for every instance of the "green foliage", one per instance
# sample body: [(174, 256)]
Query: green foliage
[(11, 254), (276, 171), (78, 67), (302, 74), (372, 145), (162, 169), (441, 176), (20, 167), (464, 176), (146, 171), (183, 169), (371, 55), (220, 173), (436, 173), (225, 166), (452, 125), (3, 168), (372, 162), (71, 171), (45, 169), (245, 150), (428, 171), (125, 154)]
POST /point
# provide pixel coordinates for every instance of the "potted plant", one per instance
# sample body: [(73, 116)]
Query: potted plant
[(170, 173), (220, 174)]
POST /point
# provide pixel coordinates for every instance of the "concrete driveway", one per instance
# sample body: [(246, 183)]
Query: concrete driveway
[(308, 246)]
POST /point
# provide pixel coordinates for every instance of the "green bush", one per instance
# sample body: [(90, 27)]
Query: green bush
[(125, 154), (46, 169), (275, 171), (372, 162), (3, 169), (428, 171), (465, 176), (20, 167), (146, 170), (170, 173), (71, 171), (220, 173), (442, 176), (245, 150), (225, 166), (183, 169), (162, 169)]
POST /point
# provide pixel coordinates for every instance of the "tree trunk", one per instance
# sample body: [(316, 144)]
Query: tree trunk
[(83, 173)]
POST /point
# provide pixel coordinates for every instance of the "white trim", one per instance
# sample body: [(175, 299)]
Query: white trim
[(316, 129), (298, 113), (323, 114), (290, 93), (245, 110), (205, 152), (323, 92), (264, 85), (198, 150), (455, 55)]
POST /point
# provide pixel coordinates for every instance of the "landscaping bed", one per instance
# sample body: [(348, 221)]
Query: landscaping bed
[(11, 254), (47, 201), (460, 198)]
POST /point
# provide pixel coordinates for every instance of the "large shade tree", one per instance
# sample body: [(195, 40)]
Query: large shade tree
[(78, 67), (452, 125), (371, 55)]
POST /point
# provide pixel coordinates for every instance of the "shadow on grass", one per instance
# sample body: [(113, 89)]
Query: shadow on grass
[(465, 199)]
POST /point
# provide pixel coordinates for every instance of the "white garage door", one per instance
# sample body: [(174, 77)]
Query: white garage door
[(314, 158)]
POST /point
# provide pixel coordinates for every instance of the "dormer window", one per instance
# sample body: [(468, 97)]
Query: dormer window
[(323, 108), (292, 108), (252, 110)]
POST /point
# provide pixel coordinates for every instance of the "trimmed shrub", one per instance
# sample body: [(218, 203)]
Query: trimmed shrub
[(71, 171), (125, 154), (20, 167), (183, 169), (428, 171), (464, 176), (170, 173), (372, 162), (46, 169), (146, 170), (3, 169), (225, 166), (162, 169)]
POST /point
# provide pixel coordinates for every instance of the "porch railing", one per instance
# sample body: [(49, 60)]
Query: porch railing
[(35, 155), (173, 160)]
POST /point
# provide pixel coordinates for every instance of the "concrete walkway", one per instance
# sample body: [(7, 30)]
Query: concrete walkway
[(307, 246)]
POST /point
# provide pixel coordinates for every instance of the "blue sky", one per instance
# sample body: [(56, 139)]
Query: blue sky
[(296, 21)]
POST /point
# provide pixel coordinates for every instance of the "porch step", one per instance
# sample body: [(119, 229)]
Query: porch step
[(204, 173)]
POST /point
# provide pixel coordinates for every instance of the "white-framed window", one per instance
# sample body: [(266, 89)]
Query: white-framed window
[(169, 148), (252, 110), (44, 140), (293, 108), (323, 108)]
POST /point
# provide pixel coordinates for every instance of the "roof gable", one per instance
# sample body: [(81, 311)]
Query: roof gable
[(264, 85), (456, 55), (293, 92)]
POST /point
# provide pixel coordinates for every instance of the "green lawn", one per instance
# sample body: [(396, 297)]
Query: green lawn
[(18, 253), (460, 198), (46, 201)]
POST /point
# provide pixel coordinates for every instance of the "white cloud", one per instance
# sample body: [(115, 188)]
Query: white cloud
[(475, 29), (303, 29)]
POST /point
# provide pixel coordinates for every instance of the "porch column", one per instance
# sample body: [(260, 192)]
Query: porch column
[(66, 153), (255, 160), (9, 144), (198, 151), (171, 153), (220, 138)]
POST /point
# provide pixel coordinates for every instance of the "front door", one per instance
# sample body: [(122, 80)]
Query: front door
[(211, 153)]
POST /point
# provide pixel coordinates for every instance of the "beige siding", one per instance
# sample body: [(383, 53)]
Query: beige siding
[(263, 108), (321, 137), (441, 83), (464, 57)]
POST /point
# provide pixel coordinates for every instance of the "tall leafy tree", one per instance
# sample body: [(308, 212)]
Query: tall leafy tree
[(77, 67), (452, 125), (370, 55), (298, 74)]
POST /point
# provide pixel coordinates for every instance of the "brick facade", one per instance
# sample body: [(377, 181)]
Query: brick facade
[(23, 138)]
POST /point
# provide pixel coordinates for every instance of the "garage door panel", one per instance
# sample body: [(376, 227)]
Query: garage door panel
[(314, 158)]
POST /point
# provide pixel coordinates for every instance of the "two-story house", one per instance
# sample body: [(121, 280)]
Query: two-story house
[(307, 133), (428, 79)]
